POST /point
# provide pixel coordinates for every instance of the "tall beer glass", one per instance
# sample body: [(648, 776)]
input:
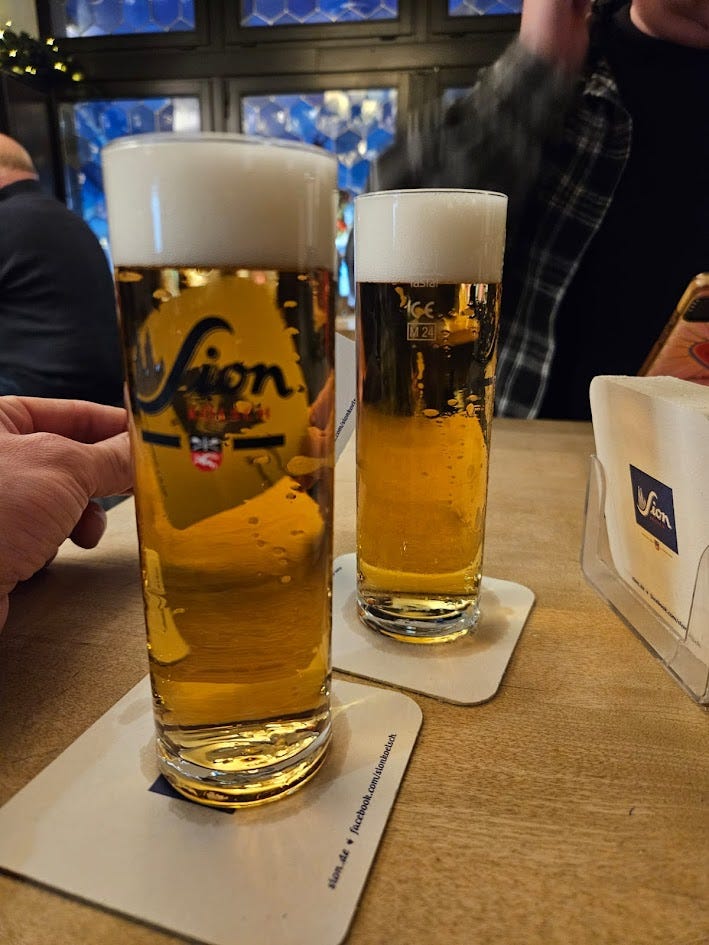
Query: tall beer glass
[(223, 254), (428, 266)]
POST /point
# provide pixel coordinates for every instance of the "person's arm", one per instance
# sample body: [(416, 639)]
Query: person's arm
[(55, 456), (493, 137)]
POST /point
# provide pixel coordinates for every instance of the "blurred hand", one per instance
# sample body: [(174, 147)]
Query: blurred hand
[(316, 447), (55, 456), (557, 30)]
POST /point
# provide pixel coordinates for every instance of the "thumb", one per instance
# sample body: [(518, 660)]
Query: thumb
[(90, 527), (111, 471)]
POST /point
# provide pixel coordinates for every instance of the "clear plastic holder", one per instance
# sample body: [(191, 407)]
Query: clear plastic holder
[(686, 657)]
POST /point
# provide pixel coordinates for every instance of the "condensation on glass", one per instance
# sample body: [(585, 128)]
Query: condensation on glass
[(303, 12), (355, 124), (86, 127), (81, 18)]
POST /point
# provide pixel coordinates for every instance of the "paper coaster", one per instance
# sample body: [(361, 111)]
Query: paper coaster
[(466, 671), (100, 824)]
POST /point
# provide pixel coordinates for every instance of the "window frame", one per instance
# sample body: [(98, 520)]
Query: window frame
[(442, 22), (237, 88), (146, 88), (76, 45), (235, 33), (134, 90)]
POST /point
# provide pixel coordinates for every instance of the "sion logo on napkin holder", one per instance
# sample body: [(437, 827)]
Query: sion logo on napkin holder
[(654, 507)]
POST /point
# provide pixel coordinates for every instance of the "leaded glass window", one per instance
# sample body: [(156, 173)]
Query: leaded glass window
[(355, 124), (454, 92), (301, 12), (87, 126), (483, 7), (81, 18)]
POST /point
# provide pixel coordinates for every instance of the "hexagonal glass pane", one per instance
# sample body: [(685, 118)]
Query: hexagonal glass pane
[(85, 127), (302, 12), (76, 18), (483, 7), (355, 124)]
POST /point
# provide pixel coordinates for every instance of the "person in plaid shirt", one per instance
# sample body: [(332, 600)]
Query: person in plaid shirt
[(593, 122)]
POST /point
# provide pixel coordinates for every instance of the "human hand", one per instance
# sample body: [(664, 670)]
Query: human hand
[(55, 456), (557, 30), (316, 447)]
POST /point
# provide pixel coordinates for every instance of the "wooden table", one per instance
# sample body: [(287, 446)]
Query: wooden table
[(572, 808)]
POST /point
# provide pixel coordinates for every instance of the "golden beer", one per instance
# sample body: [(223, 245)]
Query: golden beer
[(427, 348), (230, 378)]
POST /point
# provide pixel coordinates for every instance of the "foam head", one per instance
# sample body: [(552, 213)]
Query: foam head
[(430, 236), (220, 200)]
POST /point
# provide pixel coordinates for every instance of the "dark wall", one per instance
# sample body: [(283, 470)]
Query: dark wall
[(26, 114)]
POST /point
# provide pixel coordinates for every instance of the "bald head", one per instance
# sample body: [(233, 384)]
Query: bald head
[(15, 162)]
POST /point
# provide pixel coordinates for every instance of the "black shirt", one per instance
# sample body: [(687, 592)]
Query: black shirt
[(58, 326), (655, 236)]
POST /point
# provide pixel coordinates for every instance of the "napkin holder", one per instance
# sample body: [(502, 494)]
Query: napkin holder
[(684, 655)]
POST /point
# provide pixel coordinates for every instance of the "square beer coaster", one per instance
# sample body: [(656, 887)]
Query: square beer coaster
[(466, 671), (99, 823)]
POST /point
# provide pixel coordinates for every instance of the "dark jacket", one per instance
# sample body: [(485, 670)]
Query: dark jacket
[(58, 325), (516, 132)]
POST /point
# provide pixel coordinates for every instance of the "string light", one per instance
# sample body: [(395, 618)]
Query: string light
[(38, 61)]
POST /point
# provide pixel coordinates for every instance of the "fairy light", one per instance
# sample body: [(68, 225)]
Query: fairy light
[(38, 60)]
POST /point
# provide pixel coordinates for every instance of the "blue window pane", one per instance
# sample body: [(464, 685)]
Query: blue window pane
[(347, 143), (87, 126), (142, 119), (483, 7), (166, 12), (301, 12), (76, 18), (137, 16), (303, 117), (108, 17), (271, 10), (452, 93), (354, 124), (165, 118), (114, 122), (79, 14), (378, 140), (357, 177)]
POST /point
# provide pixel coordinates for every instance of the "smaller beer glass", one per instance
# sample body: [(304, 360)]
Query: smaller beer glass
[(428, 267), (223, 254)]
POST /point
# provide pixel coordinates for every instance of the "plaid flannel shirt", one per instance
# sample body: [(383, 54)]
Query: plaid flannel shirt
[(557, 147)]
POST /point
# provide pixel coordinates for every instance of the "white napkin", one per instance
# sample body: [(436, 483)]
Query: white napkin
[(652, 438)]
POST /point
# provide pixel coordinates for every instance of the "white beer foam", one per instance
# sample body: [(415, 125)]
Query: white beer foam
[(430, 236), (220, 200)]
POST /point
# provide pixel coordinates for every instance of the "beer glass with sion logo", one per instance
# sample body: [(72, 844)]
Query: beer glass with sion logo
[(223, 255), (428, 266)]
